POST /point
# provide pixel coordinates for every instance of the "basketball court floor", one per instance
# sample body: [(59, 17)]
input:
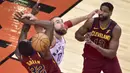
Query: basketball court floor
[(67, 9)]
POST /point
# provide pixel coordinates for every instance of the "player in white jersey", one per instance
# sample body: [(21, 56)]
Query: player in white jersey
[(58, 45), (58, 50)]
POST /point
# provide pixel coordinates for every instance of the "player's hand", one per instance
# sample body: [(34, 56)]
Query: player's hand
[(36, 8), (87, 38), (88, 35), (29, 16), (90, 15), (89, 41), (18, 16)]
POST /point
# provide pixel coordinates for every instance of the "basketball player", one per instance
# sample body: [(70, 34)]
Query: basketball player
[(58, 45), (102, 44), (33, 61)]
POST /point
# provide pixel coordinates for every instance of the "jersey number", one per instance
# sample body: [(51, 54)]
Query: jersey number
[(37, 69), (100, 42)]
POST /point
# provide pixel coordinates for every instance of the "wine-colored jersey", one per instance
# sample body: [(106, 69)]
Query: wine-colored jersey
[(35, 64), (101, 37)]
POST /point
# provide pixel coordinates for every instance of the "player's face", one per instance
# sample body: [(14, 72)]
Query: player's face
[(59, 26), (105, 13)]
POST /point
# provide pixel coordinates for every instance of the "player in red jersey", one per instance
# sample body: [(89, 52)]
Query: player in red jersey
[(33, 61), (102, 44)]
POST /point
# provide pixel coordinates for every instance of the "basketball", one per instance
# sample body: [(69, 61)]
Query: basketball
[(40, 42)]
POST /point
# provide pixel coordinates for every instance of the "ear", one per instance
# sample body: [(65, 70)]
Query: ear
[(110, 13)]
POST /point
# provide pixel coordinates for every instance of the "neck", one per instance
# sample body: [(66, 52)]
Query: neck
[(58, 36), (105, 23)]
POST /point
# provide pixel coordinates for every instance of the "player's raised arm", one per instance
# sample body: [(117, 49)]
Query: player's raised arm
[(80, 33), (36, 7), (42, 23), (75, 21), (23, 36)]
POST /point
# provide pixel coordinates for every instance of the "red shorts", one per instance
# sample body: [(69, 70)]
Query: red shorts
[(106, 65)]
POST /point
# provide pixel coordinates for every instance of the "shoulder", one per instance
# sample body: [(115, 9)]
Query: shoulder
[(117, 28), (117, 31)]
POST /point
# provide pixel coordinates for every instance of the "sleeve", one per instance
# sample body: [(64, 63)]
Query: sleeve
[(68, 24)]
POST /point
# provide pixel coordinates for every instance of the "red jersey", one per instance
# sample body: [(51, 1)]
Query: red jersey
[(35, 64), (101, 37)]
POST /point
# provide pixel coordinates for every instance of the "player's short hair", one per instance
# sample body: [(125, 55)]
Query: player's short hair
[(107, 4), (55, 17), (25, 48)]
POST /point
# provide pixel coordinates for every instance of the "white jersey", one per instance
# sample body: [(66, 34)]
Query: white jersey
[(58, 50)]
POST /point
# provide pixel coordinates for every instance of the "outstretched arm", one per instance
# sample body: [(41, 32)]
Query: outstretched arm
[(23, 36), (42, 23), (75, 21)]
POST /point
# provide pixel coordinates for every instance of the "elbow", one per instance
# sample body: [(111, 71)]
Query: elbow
[(79, 37), (111, 56), (49, 26)]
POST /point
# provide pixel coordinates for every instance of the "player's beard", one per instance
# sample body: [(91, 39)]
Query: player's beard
[(61, 32), (103, 18)]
